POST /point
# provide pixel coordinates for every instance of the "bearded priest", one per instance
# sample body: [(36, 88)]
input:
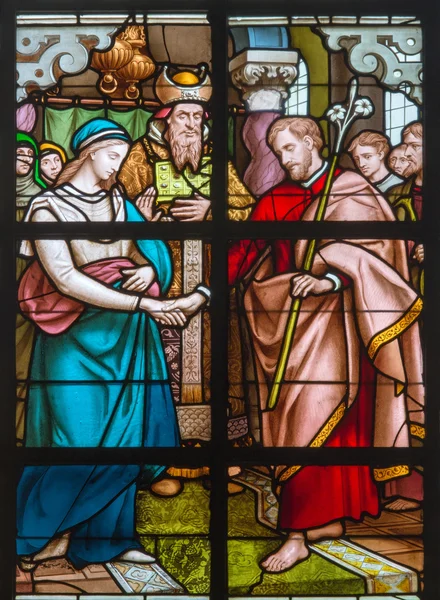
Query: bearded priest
[(168, 170)]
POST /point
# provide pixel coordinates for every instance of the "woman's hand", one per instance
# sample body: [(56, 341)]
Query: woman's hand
[(163, 312), (303, 285), (190, 304), (138, 279), (146, 204)]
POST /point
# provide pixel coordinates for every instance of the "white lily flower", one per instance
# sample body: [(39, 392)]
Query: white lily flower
[(363, 107), (337, 113)]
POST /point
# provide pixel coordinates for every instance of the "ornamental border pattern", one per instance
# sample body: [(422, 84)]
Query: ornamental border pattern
[(390, 333)]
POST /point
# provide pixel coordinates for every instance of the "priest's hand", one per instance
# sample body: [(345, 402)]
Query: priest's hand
[(303, 285), (146, 204), (191, 209), (190, 304), (419, 253), (163, 312), (138, 279)]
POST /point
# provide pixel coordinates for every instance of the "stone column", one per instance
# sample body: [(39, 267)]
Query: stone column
[(263, 78), (192, 342)]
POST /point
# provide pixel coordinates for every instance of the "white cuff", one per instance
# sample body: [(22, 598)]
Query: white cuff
[(205, 291), (335, 280)]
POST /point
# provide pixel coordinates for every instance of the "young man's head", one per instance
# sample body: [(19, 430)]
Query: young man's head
[(297, 142), (369, 150), (397, 160), (413, 140)]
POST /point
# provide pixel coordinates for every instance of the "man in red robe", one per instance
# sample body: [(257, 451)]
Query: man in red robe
[(344, 386)]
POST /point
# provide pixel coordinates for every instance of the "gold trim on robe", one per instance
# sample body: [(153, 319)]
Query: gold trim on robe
[(388, 473), (417, 431), (319, 440), (392, 332)]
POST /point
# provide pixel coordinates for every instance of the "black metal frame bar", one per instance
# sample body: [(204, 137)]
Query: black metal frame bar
[(219, 455)]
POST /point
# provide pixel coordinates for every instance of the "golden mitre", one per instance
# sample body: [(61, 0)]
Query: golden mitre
[(183, 86)]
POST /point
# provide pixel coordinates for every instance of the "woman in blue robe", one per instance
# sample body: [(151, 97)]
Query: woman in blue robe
[(98, 372)]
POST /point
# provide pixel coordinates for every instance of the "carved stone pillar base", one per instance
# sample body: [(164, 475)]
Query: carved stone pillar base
[(264, 170)]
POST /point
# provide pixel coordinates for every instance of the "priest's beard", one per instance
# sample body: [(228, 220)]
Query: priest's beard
[(300, 171), (185, 150)]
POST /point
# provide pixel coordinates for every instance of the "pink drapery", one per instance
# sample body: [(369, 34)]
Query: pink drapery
[(53, 312)]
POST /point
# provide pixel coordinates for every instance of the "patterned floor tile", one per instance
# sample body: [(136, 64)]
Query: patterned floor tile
[(148, 578), (381, 574), (60, 576)]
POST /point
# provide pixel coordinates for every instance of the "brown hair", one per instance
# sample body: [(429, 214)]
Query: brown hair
[(415, 128), (376, 140), (299, 126), (74, 165)]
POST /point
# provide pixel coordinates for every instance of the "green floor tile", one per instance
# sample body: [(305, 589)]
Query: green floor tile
[(188, 561), (185, 514), (240, 507), (316, 576)]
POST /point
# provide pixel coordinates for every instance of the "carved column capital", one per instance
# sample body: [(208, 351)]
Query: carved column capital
[(263, 77)]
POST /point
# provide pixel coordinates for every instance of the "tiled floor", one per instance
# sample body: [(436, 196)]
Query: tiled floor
[(397, 536)]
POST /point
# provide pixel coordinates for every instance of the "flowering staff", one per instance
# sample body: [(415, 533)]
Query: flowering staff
[(342, 116)]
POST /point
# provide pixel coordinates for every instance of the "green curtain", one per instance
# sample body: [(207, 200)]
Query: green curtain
[(60, 125), (134, 121)]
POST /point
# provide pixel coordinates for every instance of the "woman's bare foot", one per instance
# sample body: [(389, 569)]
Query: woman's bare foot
[(332, 530), (293, 551), (402, 504), (167, 487), (56, 548)]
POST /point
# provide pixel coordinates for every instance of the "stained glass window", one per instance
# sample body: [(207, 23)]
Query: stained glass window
[(220, 293), (399, 112), (298, 101)]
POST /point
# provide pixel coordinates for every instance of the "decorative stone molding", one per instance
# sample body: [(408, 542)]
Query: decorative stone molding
[(263, 77), (194, 422), (192, 374), (237, 427), (389, 53), (46, 52)]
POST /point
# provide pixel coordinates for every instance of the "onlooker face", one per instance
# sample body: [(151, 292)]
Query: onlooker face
[(368, 160), (414, 153), (398, 161), (51, 166), (295, 154), (25, 157)]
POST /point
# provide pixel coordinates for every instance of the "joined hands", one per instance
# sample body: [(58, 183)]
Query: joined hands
[(173, 312)]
